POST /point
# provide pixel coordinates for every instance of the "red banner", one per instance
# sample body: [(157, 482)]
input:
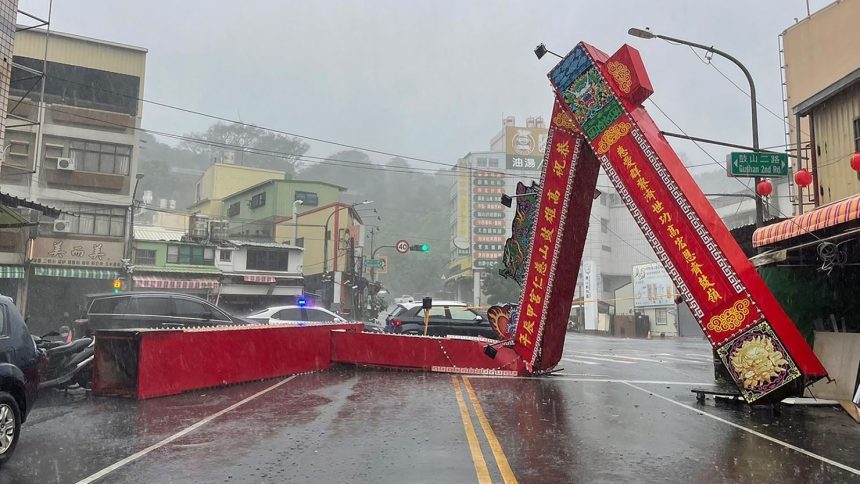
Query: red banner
[(756, 341), (568, 180)]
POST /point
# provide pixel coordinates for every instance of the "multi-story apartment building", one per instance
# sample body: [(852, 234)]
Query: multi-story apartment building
[(79, 154)]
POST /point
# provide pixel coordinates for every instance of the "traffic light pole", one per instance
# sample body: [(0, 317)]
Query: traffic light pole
[(373, 256)]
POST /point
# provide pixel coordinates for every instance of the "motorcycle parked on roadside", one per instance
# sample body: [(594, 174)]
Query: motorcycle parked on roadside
[(68, 363)]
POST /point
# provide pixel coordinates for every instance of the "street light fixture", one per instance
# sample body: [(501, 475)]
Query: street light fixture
[(541, 51), (647, 34), (296, 221)]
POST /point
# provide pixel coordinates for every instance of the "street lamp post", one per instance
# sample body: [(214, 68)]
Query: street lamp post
[(325, 237), (646, 34)]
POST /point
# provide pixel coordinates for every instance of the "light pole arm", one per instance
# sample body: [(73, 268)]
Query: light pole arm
[(373, 254)]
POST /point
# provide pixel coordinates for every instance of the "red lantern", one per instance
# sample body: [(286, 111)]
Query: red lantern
[(803, 178), (855, 162), (764, 188)]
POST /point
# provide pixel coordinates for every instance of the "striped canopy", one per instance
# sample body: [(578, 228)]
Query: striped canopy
[(818, 219)]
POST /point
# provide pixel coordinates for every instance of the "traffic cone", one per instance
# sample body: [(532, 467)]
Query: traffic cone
[(649, 335)]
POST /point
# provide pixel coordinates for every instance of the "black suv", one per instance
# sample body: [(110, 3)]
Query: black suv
[(447, 318), (20, 362), (150, 310)]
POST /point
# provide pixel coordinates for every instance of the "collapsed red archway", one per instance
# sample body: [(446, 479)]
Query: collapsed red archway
[(598, 120)]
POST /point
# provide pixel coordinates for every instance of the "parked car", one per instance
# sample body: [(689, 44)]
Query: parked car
[(151, 310), (19, 375), (447, 318), (294, 314)]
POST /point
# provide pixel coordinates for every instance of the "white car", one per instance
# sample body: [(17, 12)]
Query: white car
[(294, 314)]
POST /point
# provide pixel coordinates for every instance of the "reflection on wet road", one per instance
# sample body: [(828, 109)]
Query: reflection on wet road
[(621, 411)]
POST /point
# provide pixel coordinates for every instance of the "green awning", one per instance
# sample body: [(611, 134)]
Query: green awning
[(11, 272), (75, 272), (179, 269)]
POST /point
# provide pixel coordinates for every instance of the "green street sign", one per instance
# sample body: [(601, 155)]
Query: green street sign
[(750, 164), (375, 263)]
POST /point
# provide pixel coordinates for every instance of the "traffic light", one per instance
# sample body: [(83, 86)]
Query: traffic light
[(420, 247), (117, 285)]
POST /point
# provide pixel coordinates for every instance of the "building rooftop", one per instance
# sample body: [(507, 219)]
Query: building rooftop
[(155, 234), (57, 33)]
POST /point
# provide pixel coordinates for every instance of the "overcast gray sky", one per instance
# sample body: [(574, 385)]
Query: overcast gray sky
[(429, 79)]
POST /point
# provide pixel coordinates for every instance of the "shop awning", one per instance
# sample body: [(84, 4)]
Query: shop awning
[(13, 201), (11, 272), (156, 282), (74, 272), (259, 278), (818, 219)]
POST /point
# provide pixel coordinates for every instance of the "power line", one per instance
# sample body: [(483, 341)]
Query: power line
[(721, 166)]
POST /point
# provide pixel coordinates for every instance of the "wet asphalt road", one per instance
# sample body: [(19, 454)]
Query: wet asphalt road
[(621, 411)]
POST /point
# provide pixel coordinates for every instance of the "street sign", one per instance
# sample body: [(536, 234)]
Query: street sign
[(375, 263), (384, 268), (751, 164), (402, 246)]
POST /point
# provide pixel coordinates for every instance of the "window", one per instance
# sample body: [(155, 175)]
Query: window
[(268, 260), (226, 255), (310, 199), (289, 314), (110, 305), (234, 209), (84, 87), (661, 316), (190, 254), (95, 219), (186, 308), (144, 257), (300, 242), (463, 314), (606, 248), (316, 315), (604, 225), (435, 313), (153, 306), (100, 157), (482, 162), (258, 200), (198, 193), (493, 163)]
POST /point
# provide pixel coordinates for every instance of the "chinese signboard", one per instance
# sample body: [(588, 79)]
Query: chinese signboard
[(75, 252), (739, 315), (750, 164), (488, 218), (652, 286), (568, 179), (524, 147)]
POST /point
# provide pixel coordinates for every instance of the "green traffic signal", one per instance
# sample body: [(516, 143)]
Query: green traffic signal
[(421, 247)]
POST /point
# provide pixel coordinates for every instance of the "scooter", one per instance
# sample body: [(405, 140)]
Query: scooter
[(67, 363)]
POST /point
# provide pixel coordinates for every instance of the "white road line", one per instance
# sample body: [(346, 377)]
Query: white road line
[(107, 470), (580, 361), (606, 359), (683, 360), (751, 431), (554, 377), (650, 360)]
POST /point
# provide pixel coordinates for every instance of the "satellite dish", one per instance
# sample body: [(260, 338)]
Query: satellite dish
[(461, 243)]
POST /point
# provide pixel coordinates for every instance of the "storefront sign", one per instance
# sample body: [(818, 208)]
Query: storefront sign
[(652, 286), (524, 148), (76, 252)]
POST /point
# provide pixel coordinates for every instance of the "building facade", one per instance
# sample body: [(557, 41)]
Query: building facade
[(77, 150), (220, 180), (822, 77)]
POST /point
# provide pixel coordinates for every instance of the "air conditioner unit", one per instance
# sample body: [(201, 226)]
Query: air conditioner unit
[(66, 164), (62, 226)]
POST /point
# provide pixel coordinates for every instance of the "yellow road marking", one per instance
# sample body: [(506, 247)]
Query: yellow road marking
[(474, 446), (498, 453)]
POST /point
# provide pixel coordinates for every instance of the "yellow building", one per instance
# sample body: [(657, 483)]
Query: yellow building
[(822, 70), (221, 180), (342, 221)]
